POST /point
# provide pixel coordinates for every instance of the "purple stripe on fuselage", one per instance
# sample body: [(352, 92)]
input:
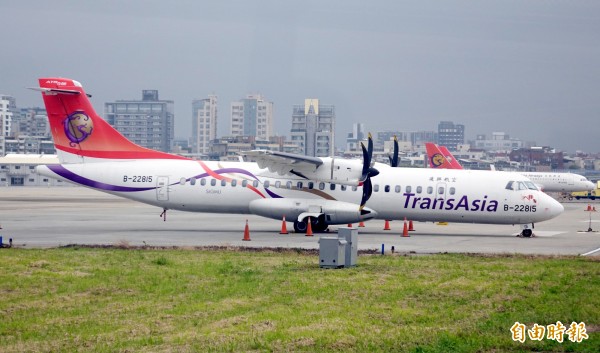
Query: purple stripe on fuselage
[(69, 175), (272, 194), (239, 171)]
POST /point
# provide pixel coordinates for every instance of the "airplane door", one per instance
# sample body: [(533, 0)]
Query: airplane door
[(162, 188), (441, 190), (570, 180)]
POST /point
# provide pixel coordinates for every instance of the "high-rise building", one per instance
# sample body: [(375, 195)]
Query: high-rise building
[(204, 123), (31, 122), (7, 107), (148, 123), (451, 135), (313, 127), (355, 137), (499, 141), (252, 116)]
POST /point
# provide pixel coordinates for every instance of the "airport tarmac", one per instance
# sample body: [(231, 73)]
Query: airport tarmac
[(38, 217)]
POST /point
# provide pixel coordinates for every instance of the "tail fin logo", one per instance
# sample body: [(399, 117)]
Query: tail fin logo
[(78, 127), (437, 160)]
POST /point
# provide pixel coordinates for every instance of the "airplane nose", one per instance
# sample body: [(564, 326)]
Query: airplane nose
[(551, 207)]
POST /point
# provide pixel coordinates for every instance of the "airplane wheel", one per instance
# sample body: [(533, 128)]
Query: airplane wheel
[(300, 227), (319, 225), (527, 233)]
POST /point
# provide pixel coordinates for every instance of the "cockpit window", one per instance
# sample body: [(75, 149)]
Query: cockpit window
[(521, 185), (530, 185)]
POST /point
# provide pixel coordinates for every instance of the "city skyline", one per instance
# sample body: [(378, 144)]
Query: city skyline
[(526, 68)]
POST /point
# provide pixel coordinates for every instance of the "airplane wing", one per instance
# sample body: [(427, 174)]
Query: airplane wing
[(284, 163)]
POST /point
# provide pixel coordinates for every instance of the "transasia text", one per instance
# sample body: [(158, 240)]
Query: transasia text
[(426, 203)]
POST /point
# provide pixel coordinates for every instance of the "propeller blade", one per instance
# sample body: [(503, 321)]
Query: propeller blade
[(366, 163), (370, 148), (394, 159), (367, 172), (366, 194)]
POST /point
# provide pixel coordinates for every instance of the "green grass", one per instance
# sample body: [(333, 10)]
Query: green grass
[(112, 300)]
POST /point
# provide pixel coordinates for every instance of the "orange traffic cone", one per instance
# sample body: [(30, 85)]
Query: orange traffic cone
[(246, 232), (349, 225), (283, 227), (361, 224), (309, 232), (405, 230), (589, 207), (387, 225), (410, 226)]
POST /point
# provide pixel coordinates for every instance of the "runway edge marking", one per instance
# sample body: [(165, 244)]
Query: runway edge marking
[(590, 252)]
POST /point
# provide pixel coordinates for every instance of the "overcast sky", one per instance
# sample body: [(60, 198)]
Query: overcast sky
[(527, 67)]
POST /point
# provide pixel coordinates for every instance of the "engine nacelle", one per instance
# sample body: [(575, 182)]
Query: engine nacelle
[(337, 170), (335, 212)]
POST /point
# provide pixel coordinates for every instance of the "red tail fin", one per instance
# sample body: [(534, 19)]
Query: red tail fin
[(436, 158), (453, 162), (82, 135)]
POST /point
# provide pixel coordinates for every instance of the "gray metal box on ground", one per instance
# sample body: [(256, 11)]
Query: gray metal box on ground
[(332, 252), (350, 235)]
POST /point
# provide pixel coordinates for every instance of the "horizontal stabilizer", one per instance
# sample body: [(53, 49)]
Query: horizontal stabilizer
[(56, 91)]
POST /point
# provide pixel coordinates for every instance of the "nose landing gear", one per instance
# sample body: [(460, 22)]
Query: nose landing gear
[(526, 232)]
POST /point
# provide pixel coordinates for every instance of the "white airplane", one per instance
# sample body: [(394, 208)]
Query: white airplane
[(324, 191), (440, 157)]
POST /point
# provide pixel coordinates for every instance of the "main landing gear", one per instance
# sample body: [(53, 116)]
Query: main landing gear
[(317, 224)]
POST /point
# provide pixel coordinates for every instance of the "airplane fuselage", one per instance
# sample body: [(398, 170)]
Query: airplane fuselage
[(238, 187), (560, 182)]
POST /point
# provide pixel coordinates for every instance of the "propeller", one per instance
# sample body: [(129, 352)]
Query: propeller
[(367, 172), (394, 158)]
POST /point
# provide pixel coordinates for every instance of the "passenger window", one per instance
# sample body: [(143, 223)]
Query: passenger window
[(311, 184), (419, 189), (397, 189), (266, 183), (332, 187), (244, 183), (343, 187), (193, 181), (408, 188), (182, 181), (278, 184), (288, 185), (441, 190), (234, 182), (223, 182), (376, 188), (202, 181), (452, 191), (213, 182), (299, 185), (387, 188), (430, 189), (321, 186), (255, 183)]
